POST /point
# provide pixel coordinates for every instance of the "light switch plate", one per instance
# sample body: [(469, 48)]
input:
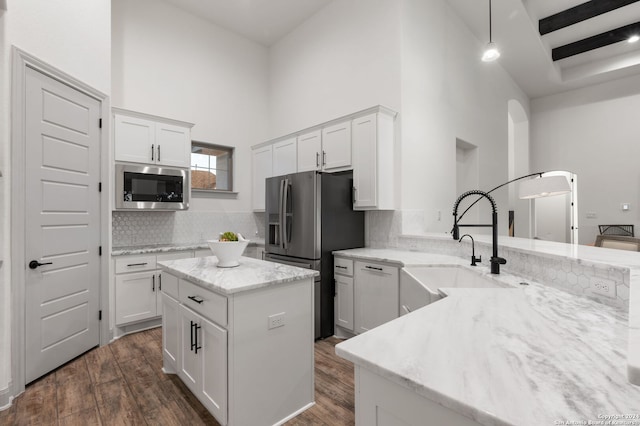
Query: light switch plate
[(592, 215), (625, 207)]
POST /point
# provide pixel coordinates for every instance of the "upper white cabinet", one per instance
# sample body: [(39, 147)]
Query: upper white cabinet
[(309, 147), (326, 149), (262, 166), (363, 141), (285, 157), (142, 138), (336, 146), (373, 172)]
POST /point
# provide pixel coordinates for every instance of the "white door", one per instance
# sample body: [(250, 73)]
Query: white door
[(62, 223), (336, 146), (309, 147), (363, 137), (344, 302), (173, 145), (134, 139), (284, 157), (214, 369), (135, 297)]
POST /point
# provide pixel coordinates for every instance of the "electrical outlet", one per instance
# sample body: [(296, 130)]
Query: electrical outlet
[(603, 287), (276, 320)]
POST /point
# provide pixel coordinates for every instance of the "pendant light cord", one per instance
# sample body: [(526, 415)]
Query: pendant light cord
[(490, 40)]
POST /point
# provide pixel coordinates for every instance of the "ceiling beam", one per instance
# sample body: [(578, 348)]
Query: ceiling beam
[(595, 42), (579, 13)]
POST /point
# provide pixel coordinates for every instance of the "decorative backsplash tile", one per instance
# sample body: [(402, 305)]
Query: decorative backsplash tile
[(144, 228)]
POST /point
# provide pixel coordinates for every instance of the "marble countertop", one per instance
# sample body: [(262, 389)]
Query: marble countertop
[(249, 275), (525, 355), (166, 248), (400, 258)]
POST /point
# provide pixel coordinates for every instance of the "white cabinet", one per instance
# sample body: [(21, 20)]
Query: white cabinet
[(262, 166), (327, 149), (336, 147), (375, 295), (138, 283), (343, 299), (170, 332), (373, 157), (309, 148), (285, 157), (203, 361), (142, 138), (366, 295)]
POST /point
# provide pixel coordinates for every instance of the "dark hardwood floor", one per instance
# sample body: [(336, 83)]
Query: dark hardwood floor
[(123, 384)]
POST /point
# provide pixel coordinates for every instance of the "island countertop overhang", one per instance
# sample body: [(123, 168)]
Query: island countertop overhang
[(251, 274)]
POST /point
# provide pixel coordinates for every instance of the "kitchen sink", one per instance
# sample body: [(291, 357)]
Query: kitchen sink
[(420, 285)]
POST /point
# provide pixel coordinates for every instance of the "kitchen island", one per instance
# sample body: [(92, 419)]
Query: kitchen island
[(240, 338), (524, 355)]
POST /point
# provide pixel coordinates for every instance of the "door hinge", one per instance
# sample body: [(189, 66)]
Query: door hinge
[(100, 251), (100, 123), (100, 315), (99, 186)]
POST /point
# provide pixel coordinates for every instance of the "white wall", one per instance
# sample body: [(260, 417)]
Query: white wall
[(74, 36), (448, 93), (593, 132), (343, 59), (174, 64)]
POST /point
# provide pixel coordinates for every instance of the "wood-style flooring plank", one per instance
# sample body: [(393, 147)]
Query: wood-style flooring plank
[(89, 417), (102, 365), (123, 384)]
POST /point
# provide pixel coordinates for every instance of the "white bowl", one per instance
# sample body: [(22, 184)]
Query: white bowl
[(227, 252)]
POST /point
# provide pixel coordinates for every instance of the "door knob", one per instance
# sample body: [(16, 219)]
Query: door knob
[(34, 264)]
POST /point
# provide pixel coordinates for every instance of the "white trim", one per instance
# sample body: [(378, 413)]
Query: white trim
[(6, 398), (20, 62)]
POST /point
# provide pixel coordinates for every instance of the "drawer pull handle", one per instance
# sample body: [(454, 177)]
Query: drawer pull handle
[(137, 264), (374, 268), (341, 267), (196, 299)]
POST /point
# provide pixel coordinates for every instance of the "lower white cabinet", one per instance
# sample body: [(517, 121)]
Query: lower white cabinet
[(366, 296), (138, 283), (170, 333), (203, 361)]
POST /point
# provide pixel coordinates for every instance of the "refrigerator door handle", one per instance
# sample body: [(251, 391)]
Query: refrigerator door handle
[(285, 203), (281, 220)]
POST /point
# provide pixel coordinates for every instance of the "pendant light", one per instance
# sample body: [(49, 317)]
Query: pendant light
[(491, 52)]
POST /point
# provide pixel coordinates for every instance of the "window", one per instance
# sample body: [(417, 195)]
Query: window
[(211, 167)]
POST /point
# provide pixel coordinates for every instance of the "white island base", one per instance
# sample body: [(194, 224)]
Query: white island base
[(381, 402), (245, 352)]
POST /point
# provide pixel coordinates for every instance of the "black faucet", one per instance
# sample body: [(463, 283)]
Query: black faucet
[(495, 260), (474, 259)]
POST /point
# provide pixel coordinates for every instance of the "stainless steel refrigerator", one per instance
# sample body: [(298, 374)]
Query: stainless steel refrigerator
[(307, 216)]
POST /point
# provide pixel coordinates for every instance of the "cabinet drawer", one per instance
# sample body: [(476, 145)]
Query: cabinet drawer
[(135, 264), (168, 284), (342, 266), (207, 303), (376, 268)]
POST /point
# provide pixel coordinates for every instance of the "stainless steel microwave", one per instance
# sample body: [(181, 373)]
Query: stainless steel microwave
[(141, 187)]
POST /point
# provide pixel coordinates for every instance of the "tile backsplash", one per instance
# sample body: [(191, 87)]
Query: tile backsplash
[(133, 228)]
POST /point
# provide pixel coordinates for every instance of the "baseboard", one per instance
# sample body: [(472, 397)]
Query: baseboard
[(136, 327), (5, 397), (295, 413)]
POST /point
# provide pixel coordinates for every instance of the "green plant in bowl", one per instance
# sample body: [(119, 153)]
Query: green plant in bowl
[(228, 236)]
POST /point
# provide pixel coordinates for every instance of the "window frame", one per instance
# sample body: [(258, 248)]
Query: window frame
[(203, 191)]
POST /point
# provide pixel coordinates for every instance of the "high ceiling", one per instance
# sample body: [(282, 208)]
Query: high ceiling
[(263, 21), (529, 56), (526, 54)]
